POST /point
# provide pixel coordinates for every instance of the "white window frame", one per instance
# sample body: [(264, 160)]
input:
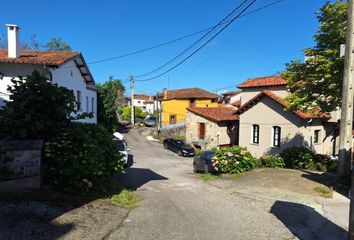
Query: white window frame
[(253, 134), (273, 136)]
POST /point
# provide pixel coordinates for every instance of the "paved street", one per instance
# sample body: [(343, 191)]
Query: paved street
[(178, 205)]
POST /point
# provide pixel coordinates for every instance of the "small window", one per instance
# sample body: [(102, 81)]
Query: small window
[(173, 119), (192, 103), (255, 134), (316, 138), (201, 130), (92, 104), (276, 136), (78, 100), (87, 104)]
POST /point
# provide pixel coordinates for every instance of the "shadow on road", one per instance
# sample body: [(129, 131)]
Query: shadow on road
[(137, 177), (305, 223), (328, 180)]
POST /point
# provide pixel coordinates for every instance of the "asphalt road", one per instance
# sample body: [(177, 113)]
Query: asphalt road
[(178, 205)]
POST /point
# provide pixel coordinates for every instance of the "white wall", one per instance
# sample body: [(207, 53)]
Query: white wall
[(64, 76), (67, 75), (249, 93)]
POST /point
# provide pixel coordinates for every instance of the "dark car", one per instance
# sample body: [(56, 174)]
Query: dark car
[(150, 121), (202, 162), (178, 146)]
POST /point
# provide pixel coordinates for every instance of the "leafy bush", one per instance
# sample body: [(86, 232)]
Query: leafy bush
[(298, 157), (325, 163), (82, 159), (126, 113), (233, 160), (37, 108), (272, 162)]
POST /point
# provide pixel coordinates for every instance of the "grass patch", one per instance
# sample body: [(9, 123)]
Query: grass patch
[(323, 191), (126, 199), (208, 176)]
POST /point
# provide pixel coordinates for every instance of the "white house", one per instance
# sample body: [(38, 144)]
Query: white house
[(146, 103), (67, 69)]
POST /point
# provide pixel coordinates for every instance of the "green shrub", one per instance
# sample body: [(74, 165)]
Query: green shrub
[(272, 162), (234, 160), (298, 157), (82, 159), (325, 163)]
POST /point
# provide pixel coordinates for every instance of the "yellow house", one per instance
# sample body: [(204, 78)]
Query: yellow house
[(175, 103)]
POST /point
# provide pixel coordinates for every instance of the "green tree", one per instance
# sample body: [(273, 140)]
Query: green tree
[(126, 112), (110, 98), (37, 110), (316, 84), (56, 44)]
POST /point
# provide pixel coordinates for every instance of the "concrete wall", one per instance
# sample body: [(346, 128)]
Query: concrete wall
[(294, 131), (248, 93), (216, 133), (67, 76)]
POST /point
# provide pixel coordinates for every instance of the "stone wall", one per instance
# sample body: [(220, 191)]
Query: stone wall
[(20, 159), (216, 134)]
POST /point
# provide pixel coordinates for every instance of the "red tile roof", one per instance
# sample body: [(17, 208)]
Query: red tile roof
[(55, 58), (189, 93), (215, 114), (142, 96), (266, 93), (263, 82), (236, 104), (231, 94)]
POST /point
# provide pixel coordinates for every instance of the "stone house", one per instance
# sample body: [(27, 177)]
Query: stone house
[(211, 127), (267, 124), (174, 103), (67, 69)]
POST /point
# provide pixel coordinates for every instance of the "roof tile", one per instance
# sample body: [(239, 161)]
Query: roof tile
[(263, 82), (39, 57), (189, 93), (277, 99), (215, 114)]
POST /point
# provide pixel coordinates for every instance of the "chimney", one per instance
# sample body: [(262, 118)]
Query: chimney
[(164, 94), (13, 39)]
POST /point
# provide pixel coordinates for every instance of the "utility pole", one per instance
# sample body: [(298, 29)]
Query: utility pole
[(157, 112), (345, 140), (132, 113)]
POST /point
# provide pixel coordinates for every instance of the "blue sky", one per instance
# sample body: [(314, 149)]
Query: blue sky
[(257, 45)]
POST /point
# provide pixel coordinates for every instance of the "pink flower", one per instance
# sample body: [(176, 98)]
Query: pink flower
[(213, 164), (216, 168)]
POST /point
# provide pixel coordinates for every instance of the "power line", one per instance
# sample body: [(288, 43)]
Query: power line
[(196, 42), (198, 49), (175, 40)]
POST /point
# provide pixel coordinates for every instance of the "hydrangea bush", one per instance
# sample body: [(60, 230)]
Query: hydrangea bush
[(234, 159)]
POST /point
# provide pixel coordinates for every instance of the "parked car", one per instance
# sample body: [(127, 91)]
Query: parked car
[(178, 146), (202, 162), (150, 121), (123, 149)]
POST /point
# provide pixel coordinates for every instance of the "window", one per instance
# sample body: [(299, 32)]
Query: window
[(316, 138), (201, 130), (87, 104), (192, 103), (92, 104), (78, 99), (255, 134), (173, 119), (276, 136)]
